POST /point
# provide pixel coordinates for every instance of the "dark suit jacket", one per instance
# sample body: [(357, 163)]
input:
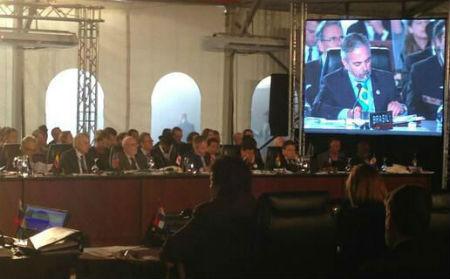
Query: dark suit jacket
[(160, 161), (323, 158), (102, 158), (196, 159), (409, 259), (216, 243), (69, 162), (336, 93), (360, 234), (313, 73), (124, 164), (409, 61), (427, 81), (360, 27)]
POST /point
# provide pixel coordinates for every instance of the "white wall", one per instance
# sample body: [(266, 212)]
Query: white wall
[(164, 38)]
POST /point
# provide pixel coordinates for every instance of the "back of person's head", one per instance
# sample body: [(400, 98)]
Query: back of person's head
[(230, 178), (408, 209), (365, 185)]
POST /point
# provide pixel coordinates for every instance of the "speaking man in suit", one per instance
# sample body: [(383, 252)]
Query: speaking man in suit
[(77, 159), (356, 88), (129, 158), (329, 34), (425, 90)]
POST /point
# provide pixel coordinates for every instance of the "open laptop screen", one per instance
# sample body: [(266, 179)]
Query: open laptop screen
[(38, 218)]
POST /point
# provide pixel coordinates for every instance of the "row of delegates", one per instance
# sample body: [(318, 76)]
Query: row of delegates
[(335, 158), (37, 149)]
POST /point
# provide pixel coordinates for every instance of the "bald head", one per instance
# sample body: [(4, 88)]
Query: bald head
[(81, 143), (129, 145)]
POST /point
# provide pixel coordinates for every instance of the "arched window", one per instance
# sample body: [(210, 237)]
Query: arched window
[(176, 101), (61, 102), (260, 111)]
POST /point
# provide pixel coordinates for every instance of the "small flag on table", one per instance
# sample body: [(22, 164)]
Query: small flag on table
[(160, 217)]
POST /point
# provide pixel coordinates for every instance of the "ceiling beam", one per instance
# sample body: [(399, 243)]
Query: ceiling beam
[(250, 16), (422, 8)]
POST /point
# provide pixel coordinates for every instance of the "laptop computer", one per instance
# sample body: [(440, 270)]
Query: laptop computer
[(38, 218)]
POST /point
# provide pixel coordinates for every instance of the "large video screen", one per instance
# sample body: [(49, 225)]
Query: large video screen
[(374, 76)]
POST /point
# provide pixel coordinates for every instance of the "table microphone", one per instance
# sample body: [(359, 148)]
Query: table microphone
[(359, 86)]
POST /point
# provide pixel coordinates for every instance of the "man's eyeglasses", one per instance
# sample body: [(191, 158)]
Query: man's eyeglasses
[(333, 39)]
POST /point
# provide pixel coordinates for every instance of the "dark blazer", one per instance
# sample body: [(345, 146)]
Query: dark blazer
[(360, 234), (323, 158), (425, 91), (360, 27), (196, 159), (160, 161), (336, 93), (313, 74), (69, 162), (102, 158), (124, 164), (407, 65), (217, 241), (409, 259)]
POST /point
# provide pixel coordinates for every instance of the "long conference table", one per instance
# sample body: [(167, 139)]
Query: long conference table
[(117, 210)]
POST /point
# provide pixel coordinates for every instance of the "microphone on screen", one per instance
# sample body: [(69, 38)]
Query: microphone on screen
[(359, 86)]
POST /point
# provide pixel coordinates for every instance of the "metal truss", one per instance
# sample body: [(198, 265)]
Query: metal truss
[(88, 19), (88, 34), (298, 16), (40, 11)]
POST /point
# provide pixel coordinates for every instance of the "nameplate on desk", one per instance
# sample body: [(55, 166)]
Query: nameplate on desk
[(381, 120)]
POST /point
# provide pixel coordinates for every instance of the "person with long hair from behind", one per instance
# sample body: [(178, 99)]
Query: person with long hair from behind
[(360, 220)]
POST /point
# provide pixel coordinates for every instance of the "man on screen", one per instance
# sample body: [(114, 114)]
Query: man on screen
[(329, 34), (425, 90), (356, 88)]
